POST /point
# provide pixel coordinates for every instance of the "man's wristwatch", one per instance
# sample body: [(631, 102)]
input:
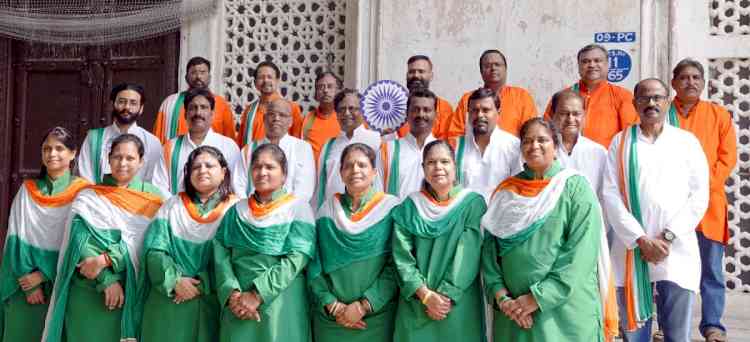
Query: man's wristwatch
[(668, 235)]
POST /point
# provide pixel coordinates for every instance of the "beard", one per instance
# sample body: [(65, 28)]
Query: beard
[(416, 83), (125, 120)]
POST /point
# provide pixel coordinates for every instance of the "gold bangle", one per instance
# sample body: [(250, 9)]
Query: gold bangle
[(426, 297)]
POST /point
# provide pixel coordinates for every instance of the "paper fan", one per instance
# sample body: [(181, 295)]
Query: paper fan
[(384, 105)]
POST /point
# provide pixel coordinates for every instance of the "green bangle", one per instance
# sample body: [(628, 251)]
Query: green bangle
[(502, 299)]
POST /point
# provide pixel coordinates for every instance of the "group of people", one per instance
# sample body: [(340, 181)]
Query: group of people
[(487, 221)]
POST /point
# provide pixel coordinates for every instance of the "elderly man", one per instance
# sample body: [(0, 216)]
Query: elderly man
[(486, 155), (199, 109), (300, 175), (320, 124), (127, 106), (609, 108), (400, 162), (655, 193), (713, 127), (517, 104), (267, 77), (419, 75), (170, 121), (353, 130)]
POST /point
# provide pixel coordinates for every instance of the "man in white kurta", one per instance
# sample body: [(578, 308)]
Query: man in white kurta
[(666, 168), (486, 155), (127, 107), (199, 106), (300, 177), (400, 161), (349, 117)]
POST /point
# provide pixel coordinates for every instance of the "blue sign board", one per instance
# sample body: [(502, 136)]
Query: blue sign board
[(614, 37), (620, 64)]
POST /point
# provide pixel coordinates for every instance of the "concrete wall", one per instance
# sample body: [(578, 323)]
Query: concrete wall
[(539, 38)]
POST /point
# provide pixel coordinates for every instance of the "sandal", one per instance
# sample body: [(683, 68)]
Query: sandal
[(715, 335)]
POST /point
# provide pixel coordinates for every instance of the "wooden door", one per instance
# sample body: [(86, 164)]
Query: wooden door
[(50, 85)]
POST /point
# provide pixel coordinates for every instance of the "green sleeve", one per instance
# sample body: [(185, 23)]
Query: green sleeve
[(320, 288), (226, 281), (492, 272), (271, 283), (107, 276), (410, 279), (162, 272), (577, 257), (463, 270), (118, 252), (384, 288)]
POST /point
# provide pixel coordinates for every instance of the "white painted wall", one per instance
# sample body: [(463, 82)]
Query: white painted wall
[(204, 37), (539, 38)]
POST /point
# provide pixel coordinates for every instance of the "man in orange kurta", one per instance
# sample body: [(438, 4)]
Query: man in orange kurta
[(419, 75), (320, 125), (714, 128), (266, 77), (609, 108), (516, 104), (170, 121)]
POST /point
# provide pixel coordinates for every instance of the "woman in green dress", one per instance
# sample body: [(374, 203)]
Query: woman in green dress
[(436, 249), (175, 281), (542, 240), (35, 231), (352, 280), (261, 250), (95, 289)]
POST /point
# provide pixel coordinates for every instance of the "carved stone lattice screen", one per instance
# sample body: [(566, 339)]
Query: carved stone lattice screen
[(729, 85), (729, 17), (302, 37)]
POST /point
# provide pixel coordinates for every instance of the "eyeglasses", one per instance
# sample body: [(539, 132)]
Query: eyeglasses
[(648, 99)]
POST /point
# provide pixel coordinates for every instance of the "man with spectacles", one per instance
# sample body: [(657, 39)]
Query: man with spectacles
[(655, 192), (277, 119), (320, 124), (609, 108), (712, 125), (353, 130), (127, 106)]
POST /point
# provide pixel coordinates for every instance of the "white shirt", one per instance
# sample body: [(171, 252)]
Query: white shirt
[(588, 157), (300, 178), (410, 171), (333, 181), (151, 157), (673, 189), (484, 172), (165, 172)]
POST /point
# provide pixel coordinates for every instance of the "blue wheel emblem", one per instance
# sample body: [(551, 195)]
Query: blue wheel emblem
[(384, 105)]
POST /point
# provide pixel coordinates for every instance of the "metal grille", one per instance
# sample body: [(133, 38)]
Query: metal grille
[(301, 37), (729, 85), (729, 17)]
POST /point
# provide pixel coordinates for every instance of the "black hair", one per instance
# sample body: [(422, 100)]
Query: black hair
[(564, 95), (197, 60), (343, 93), (424, 93), (366, 150), (268, 64), (687, 63), (66, 138), (482, 93), (591, 47), (193, 93), (491, 51), (551, 129), (276, 152), (319, 76), (126, 138), (225, 188), (128, 86), (415, 58)]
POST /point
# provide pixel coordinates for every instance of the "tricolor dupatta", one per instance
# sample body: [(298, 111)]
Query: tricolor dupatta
[(247, 135), (673, 118), (35, 231), (320, 193), (106, 215), (638, 290)]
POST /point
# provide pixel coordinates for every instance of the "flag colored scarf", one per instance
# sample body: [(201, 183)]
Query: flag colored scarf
[(107, 215), (638, 291)]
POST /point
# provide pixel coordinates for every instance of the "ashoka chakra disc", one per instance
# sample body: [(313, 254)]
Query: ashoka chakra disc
[(384, 105)]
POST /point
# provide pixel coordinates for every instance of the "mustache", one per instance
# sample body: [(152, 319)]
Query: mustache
[(657, 109)]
